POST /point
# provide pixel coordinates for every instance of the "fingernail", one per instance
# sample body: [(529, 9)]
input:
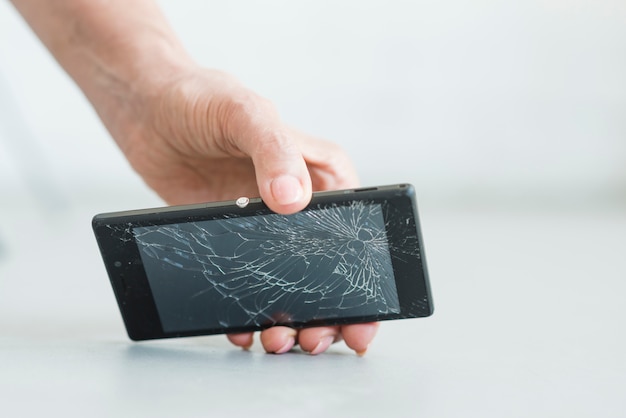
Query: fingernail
[(288, 346), (286, 189), (323, 345), (362, 352)]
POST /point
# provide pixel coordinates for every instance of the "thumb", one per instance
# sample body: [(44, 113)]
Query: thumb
[(282, 175), (254, 128)]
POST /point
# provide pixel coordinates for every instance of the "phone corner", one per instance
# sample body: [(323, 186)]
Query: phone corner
[(95, 220)]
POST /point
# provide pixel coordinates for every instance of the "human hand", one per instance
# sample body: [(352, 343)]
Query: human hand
[(194, 135), (204, 137)]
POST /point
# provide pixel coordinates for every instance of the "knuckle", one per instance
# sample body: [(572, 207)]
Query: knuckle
[(274, 141), (246, 107), (253, 120)]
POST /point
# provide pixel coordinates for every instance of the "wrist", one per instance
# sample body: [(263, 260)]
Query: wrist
[(126, 78), (119, 53)]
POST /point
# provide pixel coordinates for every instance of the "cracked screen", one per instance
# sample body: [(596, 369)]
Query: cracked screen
[(332, 262)]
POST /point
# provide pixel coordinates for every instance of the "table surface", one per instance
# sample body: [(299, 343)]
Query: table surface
[(530, 320)]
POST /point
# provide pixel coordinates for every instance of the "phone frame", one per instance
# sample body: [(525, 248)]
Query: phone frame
[(120, 253)]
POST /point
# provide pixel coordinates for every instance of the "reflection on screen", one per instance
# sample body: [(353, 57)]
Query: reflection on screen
[(260, 270)]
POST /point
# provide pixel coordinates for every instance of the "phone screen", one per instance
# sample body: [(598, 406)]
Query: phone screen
[(330, 262)]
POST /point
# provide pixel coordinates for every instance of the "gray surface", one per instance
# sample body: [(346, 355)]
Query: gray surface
[(529, 321)]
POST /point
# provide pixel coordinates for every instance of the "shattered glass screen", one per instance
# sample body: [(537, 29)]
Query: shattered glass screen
[(261, 270)]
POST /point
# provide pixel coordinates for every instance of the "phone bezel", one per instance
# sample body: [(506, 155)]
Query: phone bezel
[(134, 296)]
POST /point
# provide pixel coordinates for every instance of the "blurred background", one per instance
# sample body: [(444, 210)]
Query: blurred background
[(509, 117), (522, 101)]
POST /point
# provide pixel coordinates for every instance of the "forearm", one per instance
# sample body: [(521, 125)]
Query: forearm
[(117, 51)]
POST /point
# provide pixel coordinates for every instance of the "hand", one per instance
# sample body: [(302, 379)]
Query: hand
[(194, 135), (204, 137)]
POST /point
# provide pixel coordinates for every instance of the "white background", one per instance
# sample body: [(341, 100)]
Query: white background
[(517, 99), (509, 118)]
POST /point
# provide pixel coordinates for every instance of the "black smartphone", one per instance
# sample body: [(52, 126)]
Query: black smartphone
[(350, 256)]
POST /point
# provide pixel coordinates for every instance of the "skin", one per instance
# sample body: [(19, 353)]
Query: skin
[(192, 134)]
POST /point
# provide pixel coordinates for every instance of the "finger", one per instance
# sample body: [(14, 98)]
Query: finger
[(359, 336), (317, 340), (244, 341), (282, 175), (329, 165), (278, 340)]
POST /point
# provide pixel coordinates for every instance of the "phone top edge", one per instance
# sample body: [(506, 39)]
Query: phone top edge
[(408, 188), (166, 209)]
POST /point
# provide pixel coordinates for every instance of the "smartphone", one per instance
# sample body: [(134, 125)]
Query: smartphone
[(350, 256)]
